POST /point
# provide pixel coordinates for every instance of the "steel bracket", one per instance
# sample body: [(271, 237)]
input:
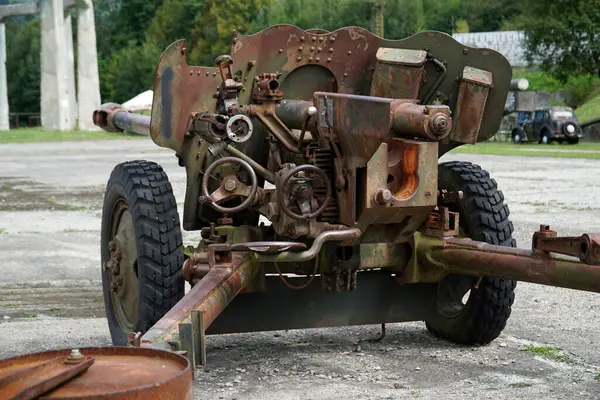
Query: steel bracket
[(585, 247), (192, 339)]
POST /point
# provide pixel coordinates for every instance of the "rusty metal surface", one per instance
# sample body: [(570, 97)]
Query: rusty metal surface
[(585, 247), (195, 267), (473, 94), (210, 296), (24, 380), (377, 299), (442, 222), (333, 235), (344, 61), (116, 373), (468, 257), (267, 114), (427, 122), (179, 90), (403, 167), (590, 249), (361, 123), (113, 117), (398, 73)]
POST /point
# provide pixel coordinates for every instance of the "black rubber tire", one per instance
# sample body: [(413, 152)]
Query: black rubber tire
[(149, 196), (545, 133), (514, 134), (484, 217)]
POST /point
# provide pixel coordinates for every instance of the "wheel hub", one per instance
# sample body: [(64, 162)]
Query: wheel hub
[(122, 268)]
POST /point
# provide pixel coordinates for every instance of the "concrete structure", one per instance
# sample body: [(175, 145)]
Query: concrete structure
[(88, 82), (4, 125), (59, 105), (54, 85)]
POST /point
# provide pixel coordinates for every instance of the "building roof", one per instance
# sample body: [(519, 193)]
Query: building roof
[(508, 43)]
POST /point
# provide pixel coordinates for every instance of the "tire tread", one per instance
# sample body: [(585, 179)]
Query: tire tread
[(489, 222), (159, 240)]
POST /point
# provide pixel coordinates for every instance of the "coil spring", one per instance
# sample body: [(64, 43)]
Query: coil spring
[(324, 160)]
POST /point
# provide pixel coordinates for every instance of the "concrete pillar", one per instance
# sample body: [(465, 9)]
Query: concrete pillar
[(55, 98), (70, 78), (4, 124), (88, 81)]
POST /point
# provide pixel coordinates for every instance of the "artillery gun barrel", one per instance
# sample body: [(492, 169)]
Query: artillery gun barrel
[(112, 117)]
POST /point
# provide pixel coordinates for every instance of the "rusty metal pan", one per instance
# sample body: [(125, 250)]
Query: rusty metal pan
[(108, 373)]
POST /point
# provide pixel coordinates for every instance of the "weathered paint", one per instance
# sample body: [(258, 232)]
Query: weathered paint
[(211, 295), (468, 257), (115, 373), (347, 57)]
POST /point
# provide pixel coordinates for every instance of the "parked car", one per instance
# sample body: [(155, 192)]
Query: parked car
[(549, 124)]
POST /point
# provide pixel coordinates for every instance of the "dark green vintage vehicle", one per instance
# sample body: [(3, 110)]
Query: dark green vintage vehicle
[(549, 124)]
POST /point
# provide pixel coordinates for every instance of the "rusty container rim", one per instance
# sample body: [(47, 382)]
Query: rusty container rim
[(108, 352)]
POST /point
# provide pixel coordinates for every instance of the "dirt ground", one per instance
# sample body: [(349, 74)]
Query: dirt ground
[(50, 294)]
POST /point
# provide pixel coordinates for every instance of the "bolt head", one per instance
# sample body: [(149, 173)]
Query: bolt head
[(439, 124), (74, 357), (230, 185), (383, 196)]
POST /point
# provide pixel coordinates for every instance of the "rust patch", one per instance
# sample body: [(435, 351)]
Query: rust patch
[(470, 107), (135, 373), (403, 162)]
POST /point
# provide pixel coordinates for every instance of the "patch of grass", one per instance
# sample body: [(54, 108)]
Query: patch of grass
[(54, 309), (29, 315), (555, 205), (64, 207), (3, 231), (549, 353), (414, 393), (520, 385), (573, 208), (597, 377), (589, 110), (71, 207), (39, 135), (581, 150), (536, 203)]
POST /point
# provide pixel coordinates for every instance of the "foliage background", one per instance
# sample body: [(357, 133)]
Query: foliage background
[(131, 34)]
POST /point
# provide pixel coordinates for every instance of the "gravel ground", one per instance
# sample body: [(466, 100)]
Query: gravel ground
[(50, 295)]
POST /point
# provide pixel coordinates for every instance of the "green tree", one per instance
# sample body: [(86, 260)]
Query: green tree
[(490, 15), (173, 20), (23, 65), (129, 72), (563, 36), (132, 21), (442, 15), (215, 23)]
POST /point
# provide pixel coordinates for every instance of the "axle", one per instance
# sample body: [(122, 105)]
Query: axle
[(229, 269)]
